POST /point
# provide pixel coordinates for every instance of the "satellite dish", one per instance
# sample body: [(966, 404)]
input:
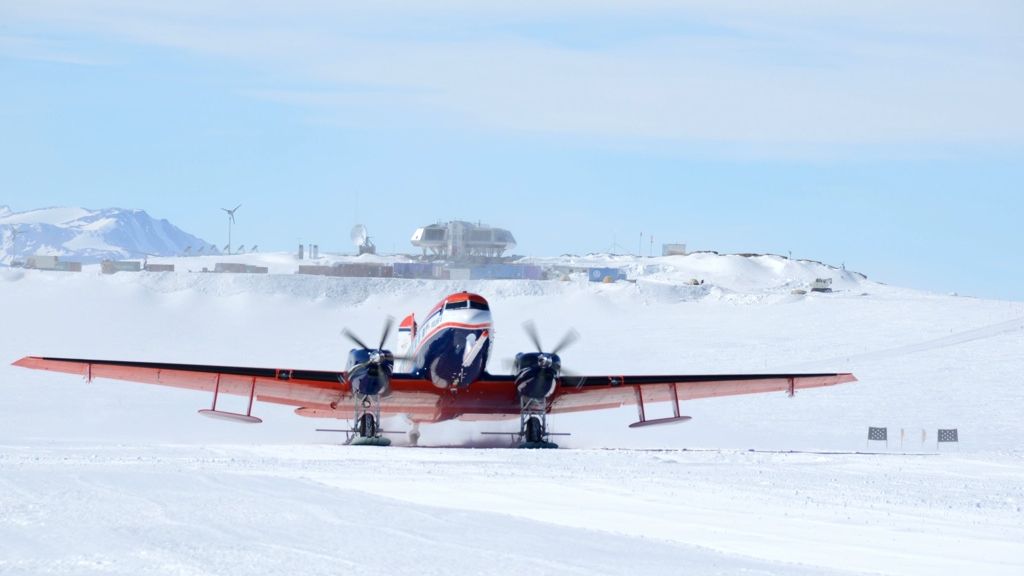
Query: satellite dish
[(359, 235)]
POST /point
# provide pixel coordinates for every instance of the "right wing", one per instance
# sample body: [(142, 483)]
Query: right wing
[(581, 393), (315, 393)]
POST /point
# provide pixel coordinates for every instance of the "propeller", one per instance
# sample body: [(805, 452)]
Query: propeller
[(547, 365), (389, 322), (570, 338), (376, 354)]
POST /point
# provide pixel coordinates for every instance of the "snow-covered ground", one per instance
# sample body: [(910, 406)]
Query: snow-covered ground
[(111, 477)]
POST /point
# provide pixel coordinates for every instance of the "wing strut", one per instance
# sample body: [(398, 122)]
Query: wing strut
[(247, 418), (643, 421)]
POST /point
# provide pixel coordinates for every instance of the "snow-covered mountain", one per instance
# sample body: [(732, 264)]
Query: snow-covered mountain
[(90, 235)]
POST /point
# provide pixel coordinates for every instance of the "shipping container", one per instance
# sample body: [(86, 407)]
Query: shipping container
[(363, 270), (317, 270), (499, 272), (673, 249), (232, 267), (40, 262), (421, 270), (114, 266), (531, 272), (606, 274), (236, 268), (459, 274), (68, 266), (159, 267)]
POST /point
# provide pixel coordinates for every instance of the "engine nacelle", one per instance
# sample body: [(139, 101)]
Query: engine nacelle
[(369, 371), (537, 374)]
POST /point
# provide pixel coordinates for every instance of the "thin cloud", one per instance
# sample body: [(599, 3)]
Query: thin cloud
[(25, 48), (801, 75)]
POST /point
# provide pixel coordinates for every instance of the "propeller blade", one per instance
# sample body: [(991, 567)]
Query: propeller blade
[(358, 366), (570, 338), (388, 323), (531, 331), (236, 208), (348, 334), (570, 375)]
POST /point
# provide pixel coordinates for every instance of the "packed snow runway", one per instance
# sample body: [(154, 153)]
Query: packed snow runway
[(138, 509), (120, 478)]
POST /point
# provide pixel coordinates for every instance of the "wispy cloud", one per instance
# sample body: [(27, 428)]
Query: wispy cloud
[(801, 73), (31, 48)]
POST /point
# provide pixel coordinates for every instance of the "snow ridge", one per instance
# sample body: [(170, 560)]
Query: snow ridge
[(89, 235)]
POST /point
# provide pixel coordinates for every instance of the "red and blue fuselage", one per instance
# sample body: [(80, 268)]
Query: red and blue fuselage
[(451, 345)]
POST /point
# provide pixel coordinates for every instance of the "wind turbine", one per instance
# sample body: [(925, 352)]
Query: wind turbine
[(231, 220)]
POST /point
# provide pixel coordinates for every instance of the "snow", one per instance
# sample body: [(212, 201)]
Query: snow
[(53, 216), (90, 235), (120, 478)]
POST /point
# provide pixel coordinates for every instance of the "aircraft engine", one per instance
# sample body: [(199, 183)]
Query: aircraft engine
[(369, 371), (536, 374)]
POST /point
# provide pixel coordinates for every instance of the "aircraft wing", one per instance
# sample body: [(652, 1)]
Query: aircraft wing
[(581, 393), (322, 394), (325, 394)]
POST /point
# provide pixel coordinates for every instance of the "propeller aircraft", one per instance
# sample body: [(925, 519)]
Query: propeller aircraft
[(442, 376)]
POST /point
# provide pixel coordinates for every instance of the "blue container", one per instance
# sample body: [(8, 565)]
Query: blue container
[(533, 272), (497, 272), (415, 270), (599, 274)]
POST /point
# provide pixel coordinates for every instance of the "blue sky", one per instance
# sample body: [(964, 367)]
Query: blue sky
[(888, 137)]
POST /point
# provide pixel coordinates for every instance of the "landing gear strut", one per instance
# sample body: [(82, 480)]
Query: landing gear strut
[(366, 431), (414, 434), (533, 424)]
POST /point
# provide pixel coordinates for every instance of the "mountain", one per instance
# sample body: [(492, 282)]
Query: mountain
[(90, 235)]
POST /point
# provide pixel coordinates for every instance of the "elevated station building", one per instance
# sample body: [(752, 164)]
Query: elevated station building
[(459, 240)]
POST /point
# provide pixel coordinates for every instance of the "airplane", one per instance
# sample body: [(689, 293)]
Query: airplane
[(443, 377)]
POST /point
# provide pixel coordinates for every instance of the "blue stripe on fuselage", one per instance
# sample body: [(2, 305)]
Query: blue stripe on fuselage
[(440, 357)]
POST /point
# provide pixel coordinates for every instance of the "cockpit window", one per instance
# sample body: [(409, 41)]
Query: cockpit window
[(466, 304)]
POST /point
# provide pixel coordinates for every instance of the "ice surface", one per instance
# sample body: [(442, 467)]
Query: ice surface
[(120, 478)]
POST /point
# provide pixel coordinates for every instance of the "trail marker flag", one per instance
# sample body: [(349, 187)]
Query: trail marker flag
[(877, 435)]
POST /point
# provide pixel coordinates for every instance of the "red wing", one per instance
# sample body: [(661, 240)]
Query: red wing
[(580, 393), (320, 394), (323, 394)]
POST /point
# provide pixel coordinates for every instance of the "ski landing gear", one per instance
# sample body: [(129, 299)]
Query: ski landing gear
[(366, 431), (414, 434), (533, 424)]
